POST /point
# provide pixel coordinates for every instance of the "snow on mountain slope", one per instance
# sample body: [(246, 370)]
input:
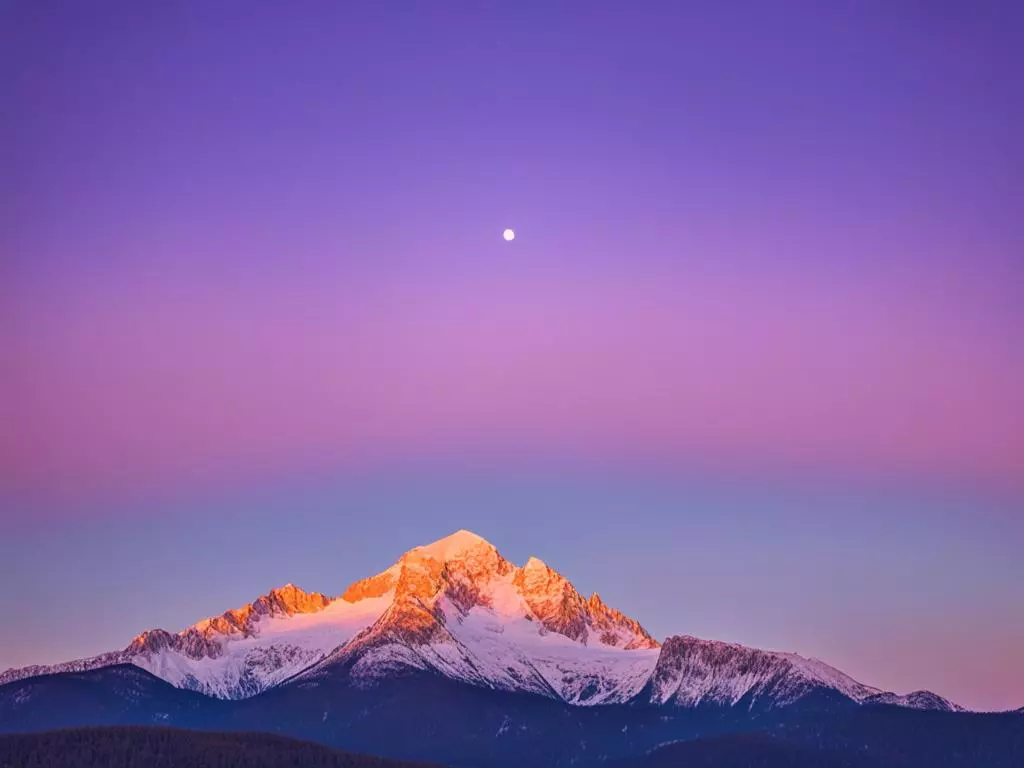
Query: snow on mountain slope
[(513, 647), (279, 647), (458, 608), (915, 700), (691, 671), (241, 652)]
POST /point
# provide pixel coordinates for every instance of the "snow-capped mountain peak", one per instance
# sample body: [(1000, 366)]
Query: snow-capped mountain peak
[(458, 608), (460, 544)]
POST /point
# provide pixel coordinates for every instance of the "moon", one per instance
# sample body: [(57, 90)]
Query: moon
[(509, 234)]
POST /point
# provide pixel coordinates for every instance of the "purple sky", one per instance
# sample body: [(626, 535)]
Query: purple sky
[(251, 256)]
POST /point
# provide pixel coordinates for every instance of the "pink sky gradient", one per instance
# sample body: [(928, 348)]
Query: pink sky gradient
[(244, 252), (144, 380)]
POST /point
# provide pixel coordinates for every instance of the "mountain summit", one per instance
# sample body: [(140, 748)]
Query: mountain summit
[(457, 608), (455, 546)]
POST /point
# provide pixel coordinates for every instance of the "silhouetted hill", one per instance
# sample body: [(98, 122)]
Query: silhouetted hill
[(917, 739), (150, 747), (870, 737), (118, 695)]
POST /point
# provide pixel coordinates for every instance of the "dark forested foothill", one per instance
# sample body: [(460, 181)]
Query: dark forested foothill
[(138, 747)]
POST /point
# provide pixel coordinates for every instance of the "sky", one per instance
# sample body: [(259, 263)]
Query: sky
[(752, 367)]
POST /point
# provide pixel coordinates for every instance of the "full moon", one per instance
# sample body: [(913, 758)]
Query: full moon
[(509, 234)]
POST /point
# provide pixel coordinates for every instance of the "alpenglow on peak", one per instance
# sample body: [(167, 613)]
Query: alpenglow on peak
[(454, 545)]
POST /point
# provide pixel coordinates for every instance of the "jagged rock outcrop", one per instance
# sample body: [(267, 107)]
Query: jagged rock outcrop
[(459, 573), (285, 601)]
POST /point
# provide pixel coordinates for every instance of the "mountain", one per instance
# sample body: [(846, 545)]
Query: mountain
[(691, 671), (147, 747), (915, 700), (458, 609), (117, 695), (240, 652)]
